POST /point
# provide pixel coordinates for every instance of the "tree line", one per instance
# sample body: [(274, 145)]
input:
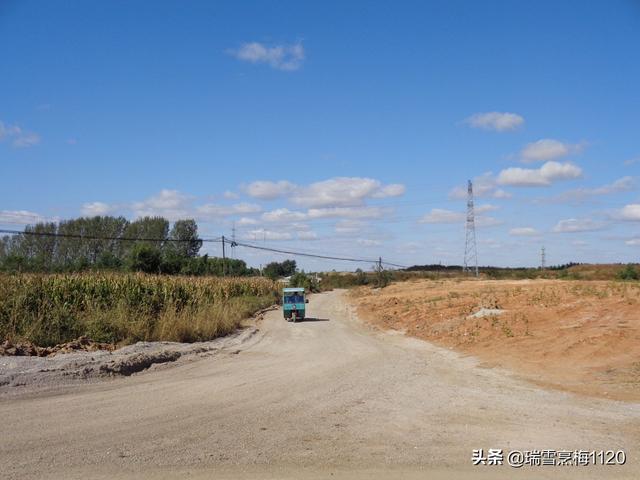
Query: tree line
[(149, 244)]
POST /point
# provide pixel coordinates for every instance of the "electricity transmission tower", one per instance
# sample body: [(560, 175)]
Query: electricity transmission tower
[(470, 249), (543, 259)]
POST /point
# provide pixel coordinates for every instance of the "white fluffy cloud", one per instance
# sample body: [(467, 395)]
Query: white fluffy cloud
[(18, 137), (263, 234), (484, 221), (368, 242), (392, 190), (523, 232), (229, 195), (170, 204), (498, 121), (546, 175), (283, 215), (212, 211), (93, 209), (623, 184), (633, 242), (547, 149), (630, 212), (441, 215), (174, 205), (340, 198), (484, 186), (266, 190), (573, 225), (281, 57), (346, 212), (20, 217), (307, 235), (343, 191), (334, 192), (485, 208), (245, 221), (350, 227)]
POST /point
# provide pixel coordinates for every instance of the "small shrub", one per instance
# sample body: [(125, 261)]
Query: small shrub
[(301, 279), (628, 273)]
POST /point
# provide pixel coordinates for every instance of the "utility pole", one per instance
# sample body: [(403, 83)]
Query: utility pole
[(233, 248), (543, 259), (233, 241), (224, 259), (470, 248)]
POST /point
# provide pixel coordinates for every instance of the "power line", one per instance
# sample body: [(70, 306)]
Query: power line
[(208, 240), (312, 255)]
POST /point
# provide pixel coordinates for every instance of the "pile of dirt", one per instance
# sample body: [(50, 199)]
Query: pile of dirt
[(582, 336), (28, 349), (136, 363)]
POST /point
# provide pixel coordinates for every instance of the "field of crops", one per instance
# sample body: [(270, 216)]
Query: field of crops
[(125, 308)]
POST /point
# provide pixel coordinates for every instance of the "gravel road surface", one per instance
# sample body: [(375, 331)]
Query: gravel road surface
[(325, 398)]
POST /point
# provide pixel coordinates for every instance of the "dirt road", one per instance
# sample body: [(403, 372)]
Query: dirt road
[(323, 398)]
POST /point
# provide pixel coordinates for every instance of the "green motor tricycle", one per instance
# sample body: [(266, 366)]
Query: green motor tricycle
[(294, 304)]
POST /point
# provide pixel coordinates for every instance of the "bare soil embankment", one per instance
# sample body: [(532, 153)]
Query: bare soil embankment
[(580, 336)]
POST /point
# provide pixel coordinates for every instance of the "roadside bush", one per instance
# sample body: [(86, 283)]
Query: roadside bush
[(301, 279), (628, 273), (145, 258)]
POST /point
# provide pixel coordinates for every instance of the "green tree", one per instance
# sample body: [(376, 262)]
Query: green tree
[(184, 238), (37, 249), (280, 269), (145, 258), (288, 267), (151, 231), (108, 261), (72, 251), (301, 279)]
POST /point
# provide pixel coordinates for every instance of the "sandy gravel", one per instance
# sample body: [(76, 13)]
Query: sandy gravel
[(325, 398)]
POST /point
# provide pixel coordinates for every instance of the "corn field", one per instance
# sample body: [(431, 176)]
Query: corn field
[(124, 308)]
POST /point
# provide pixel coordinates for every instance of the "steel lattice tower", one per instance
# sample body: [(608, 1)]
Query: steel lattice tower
[(470, 249)]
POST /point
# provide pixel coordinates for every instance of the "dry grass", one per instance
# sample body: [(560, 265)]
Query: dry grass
[(125, 308)]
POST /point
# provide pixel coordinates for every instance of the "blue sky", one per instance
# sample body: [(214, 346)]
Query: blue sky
[(332, 127)]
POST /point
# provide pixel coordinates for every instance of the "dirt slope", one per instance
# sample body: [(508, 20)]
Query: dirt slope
[(581, 336), (318, 399)]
